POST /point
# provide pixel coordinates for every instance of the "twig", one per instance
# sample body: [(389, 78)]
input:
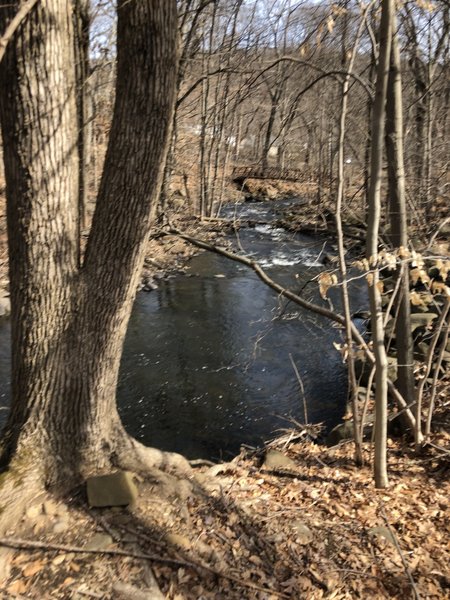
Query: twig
[(428, 364), (438, 447), (100, 520), (48, 547), (354, 572), (402, 557), (84, 592), (437, 369), (436, 233), (282, 473), (12, 594), (202, 462), (300, 383), (367, 400), (14, 25)]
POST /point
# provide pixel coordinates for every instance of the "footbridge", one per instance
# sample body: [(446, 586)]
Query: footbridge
[(240, 174)]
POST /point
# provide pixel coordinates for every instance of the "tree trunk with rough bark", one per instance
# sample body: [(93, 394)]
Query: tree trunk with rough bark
[(398, 220), (69, 321)]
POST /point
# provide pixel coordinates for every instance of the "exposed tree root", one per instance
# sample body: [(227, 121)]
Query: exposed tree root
[(171, 472), (134, 456), (33, 474)]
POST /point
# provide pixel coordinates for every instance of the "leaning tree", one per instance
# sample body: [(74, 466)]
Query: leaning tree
[(69, 317)]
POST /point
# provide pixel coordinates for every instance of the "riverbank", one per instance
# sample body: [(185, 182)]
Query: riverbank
[(164, 255), (297, 521)]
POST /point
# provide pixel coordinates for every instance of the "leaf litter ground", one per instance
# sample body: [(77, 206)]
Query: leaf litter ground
[(316, 528)]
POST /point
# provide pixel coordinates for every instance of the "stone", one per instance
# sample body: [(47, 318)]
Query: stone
[(385, 300), (218, 469), (116, 489), (421, 319), (445, 228), (383, 532), (304, 533), (363, 369), (392, 368), (179, 540), (340, 433), (278, 460), (446, 355), (362, 393), (149, 286), (421, 350), (60, 527), (389, 330), (126, 591), (439, 299), (99, 541), (329, 259), (34, 511), (50, 507)]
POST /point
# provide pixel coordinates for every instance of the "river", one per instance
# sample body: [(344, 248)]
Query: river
[(206, 363)]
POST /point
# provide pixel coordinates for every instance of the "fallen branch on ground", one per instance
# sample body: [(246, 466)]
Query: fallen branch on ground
[(402, 556), (20, 544)]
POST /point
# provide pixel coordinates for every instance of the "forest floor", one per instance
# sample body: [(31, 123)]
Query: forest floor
[(296, 521)]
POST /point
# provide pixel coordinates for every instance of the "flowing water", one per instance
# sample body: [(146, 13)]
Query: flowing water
[(207, 359)]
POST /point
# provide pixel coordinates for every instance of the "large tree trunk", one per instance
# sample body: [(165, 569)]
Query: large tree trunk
[(69, 322)]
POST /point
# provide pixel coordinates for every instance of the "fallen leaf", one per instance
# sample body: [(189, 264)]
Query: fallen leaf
[(33, 568), (326, 280), (17, 587)]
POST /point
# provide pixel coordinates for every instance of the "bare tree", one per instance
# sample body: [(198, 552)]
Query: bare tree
[(398, 220), (353, 386), (373, 225)]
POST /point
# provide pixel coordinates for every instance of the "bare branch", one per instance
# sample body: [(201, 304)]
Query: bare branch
[(14, 25)]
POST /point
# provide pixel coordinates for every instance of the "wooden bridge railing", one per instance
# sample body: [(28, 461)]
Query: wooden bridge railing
[(256, 172)]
